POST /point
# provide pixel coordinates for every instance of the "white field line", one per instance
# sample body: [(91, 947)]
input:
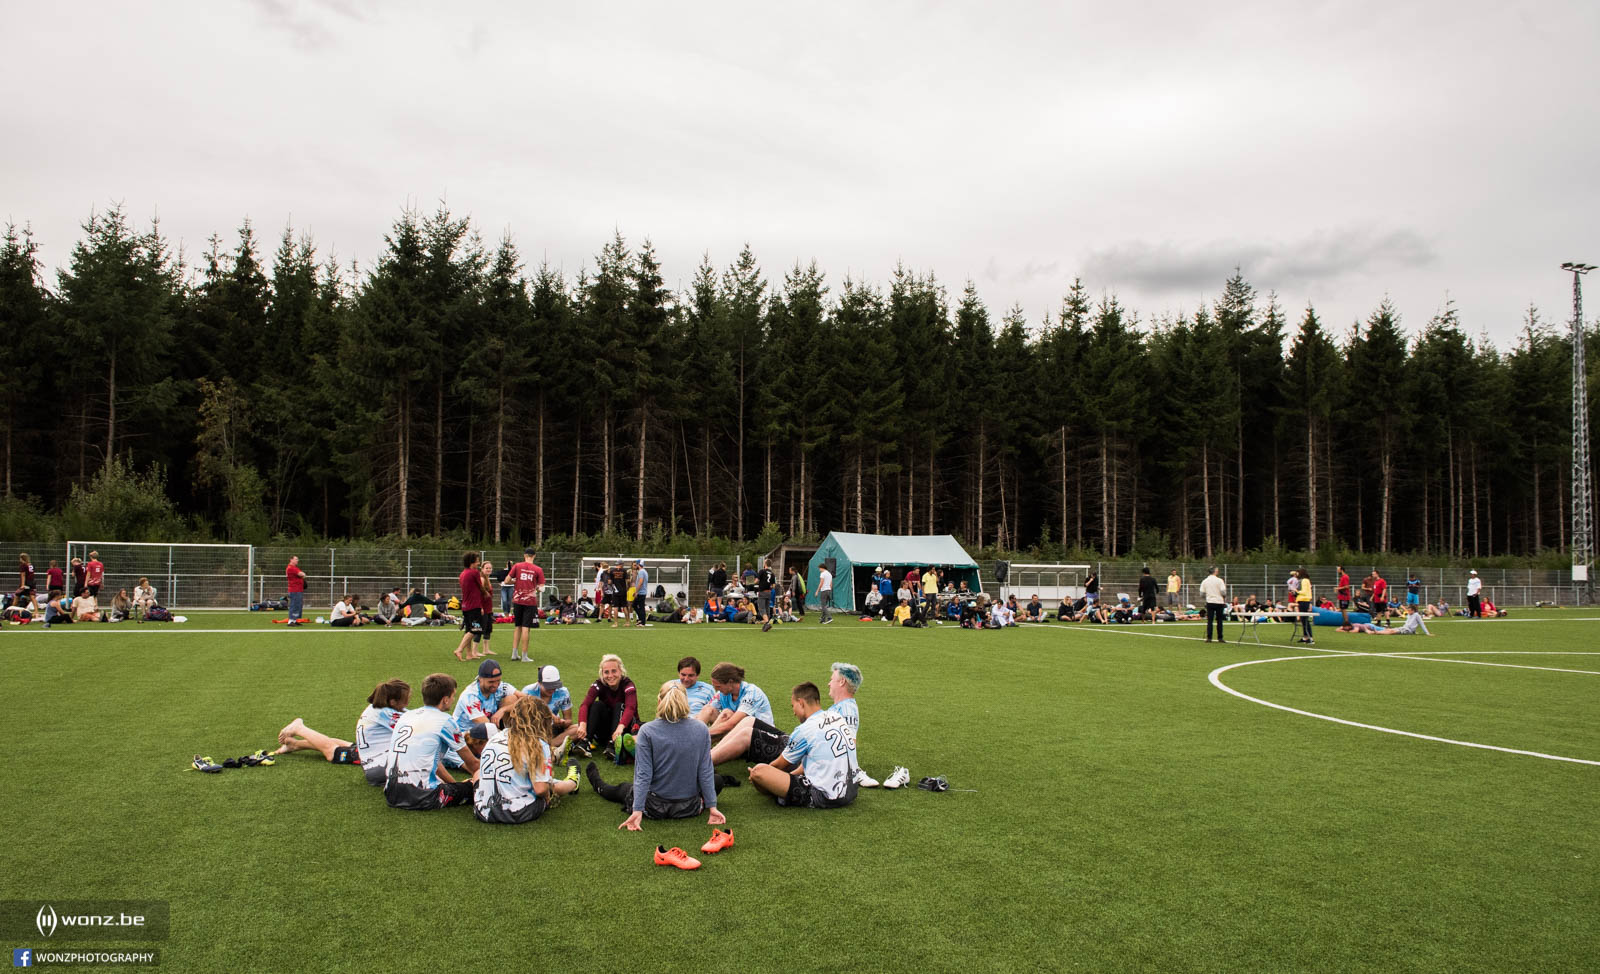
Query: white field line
[(1479, 662), (1216, 681)]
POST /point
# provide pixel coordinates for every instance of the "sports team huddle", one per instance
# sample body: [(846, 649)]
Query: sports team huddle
[(498, 747)]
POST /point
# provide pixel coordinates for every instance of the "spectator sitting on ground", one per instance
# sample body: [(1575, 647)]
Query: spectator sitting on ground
[(344, 614), (121, 606), (874, 602), (1122, 613), (1436, 610), (785, 611), (1002, 615), (744, 612), (1490, 611), (144, 596), (388, 613), (1034, 610), (85, 608), (903, 616)]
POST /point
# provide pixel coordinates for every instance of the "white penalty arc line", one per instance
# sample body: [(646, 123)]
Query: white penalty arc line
[(1216, 681)]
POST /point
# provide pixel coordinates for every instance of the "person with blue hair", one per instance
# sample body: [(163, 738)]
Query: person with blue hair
[(843, 684)]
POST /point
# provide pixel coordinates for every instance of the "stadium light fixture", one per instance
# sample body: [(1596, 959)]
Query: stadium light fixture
[(1582, 496)]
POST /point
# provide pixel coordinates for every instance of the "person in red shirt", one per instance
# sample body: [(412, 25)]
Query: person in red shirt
[(528, 582), (55, 580), (1342, 592), (476, 623), (94, 573), (609, 710), (1380, 594), (77, 577), (297, 589)]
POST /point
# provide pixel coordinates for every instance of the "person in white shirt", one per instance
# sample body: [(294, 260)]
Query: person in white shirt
[(1474, 599), (825, 593), (817, 768), (1215, 591), (344, 612)]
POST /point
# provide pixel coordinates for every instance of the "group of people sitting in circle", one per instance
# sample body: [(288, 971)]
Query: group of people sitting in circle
[(82, 603), (499, 748)]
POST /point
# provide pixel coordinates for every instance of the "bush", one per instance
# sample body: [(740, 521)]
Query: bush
[(121, 504)]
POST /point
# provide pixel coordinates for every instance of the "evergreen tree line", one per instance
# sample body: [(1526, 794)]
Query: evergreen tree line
[(450, 389)]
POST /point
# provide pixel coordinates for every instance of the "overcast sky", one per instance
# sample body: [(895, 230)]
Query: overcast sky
[(1336, 152)]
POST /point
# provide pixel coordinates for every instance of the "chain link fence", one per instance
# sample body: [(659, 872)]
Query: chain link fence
[(334, 572)]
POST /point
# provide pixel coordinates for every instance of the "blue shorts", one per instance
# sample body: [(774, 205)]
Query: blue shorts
[(1412, 598)]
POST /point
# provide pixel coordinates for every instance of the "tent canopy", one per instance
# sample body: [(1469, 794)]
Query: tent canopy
[(856, 555)]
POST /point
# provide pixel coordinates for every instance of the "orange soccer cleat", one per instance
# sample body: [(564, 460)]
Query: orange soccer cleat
[(719, 840), (675, 857)]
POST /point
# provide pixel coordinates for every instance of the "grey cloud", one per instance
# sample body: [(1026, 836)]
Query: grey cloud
[(1318, 258)]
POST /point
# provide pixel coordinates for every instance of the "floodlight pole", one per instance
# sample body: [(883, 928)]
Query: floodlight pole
[(1582, 497)]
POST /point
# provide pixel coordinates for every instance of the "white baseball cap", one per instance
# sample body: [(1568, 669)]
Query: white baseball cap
[(549, 677)]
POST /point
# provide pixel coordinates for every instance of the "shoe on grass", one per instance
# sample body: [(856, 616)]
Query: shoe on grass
[(675, 857), (898, 778), (575, 778), (864, 780), (720, 839), (580, 749), (205, 764)]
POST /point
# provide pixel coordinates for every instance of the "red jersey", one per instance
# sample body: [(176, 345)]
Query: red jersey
[(296, 578), (472, 590), (913, 579), (94, 572), (528, 579), (1344, 585), (54, 579), (1379, 588)]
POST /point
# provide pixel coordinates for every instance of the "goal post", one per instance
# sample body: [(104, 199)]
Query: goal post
[(1051, 582), (670, 573), (186, 576)]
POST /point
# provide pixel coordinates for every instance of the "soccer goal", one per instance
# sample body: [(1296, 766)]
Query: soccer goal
[(1052, 583), (671, 574), (187, 576)]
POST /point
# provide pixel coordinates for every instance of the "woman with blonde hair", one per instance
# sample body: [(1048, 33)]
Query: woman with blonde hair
[(514, 782), (672, 776), (609, 710)]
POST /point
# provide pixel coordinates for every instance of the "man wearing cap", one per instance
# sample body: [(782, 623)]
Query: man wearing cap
[(553, 692), (1474, 600), (528, 580), (641, 587), (481, 704)]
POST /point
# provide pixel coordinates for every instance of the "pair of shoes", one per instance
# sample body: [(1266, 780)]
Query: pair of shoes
[(205, 764), (624, 748), (934, 784), (898, 778), (580, 749), (575, 778), (720, 839), (864, 780), (675, 857), (766, 626)]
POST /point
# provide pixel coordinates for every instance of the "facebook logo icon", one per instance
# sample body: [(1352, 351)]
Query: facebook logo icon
[(21, 957)]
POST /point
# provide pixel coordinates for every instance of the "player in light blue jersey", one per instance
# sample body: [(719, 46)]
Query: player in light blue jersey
[(742, 717), (554, 693), (699, 692), (415, 777), (817, 768), (843, 684), (514, 784), (483, 702), (371, 747)]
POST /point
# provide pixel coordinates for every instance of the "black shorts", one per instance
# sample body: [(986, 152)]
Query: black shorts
[(766, 743), (525, 616), (1147, 604), (618, 600), (414, 799), (802, 794), (496, 813), (344, 621), (477, 623), (658, 807), (346, 755), (92, 590)]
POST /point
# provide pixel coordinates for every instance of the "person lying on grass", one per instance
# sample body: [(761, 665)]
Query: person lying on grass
[(817, 768), (415, 777), (742, 717), (1413, 626), (514, 779), (374, 733), (672, 772)]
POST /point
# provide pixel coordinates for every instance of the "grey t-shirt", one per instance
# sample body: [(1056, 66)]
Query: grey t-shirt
[(673, 759)]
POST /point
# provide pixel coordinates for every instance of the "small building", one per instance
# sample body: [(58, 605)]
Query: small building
[(854, 557)]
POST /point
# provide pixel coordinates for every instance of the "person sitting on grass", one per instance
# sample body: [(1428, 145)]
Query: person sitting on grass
[(121, 606), (415, 777), (741, 717), (553, 692), (388, 613), (85, 608), (817, 768), (672, 774), (144, 596), (344, 614), (514, 780), (374, 733), (609, 710), (482, 704), (1034, 610), (844, 682), (697, 690), (1437, 610)]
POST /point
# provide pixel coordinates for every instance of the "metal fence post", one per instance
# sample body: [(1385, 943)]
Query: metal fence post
[(330, 574), (408, 571)]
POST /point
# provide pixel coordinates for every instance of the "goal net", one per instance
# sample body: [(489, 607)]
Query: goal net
[(1052, 583), (186, 576), (671, 574)]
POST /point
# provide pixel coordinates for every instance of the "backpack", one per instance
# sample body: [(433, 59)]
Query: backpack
[(158, 613)]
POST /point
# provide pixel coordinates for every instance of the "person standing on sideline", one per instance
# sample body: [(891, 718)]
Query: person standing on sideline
[(797, 592), (1147, 595), (527, 581), (78, 575), (1342, 593), (1215, 591), (476, 626), (1302, 604), (508, 588), (825, 593), (94, 575), (1474, 598), (296, 579), (1091, 588), (641, 588), (1174, 588), (766, 582)]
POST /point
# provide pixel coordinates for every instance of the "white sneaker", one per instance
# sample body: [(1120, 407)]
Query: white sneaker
[(898, 778), (864, 780)]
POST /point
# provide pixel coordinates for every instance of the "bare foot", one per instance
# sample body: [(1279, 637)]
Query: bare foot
[(458, 656), (288, 731)]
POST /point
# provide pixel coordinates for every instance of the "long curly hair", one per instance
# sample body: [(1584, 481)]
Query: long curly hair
[(527, 724)]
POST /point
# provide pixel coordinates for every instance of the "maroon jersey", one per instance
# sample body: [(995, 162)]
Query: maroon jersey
[(528, 579), (93, 572), (472, 590)]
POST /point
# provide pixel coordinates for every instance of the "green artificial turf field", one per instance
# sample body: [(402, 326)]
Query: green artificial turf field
[(1111, 809)]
